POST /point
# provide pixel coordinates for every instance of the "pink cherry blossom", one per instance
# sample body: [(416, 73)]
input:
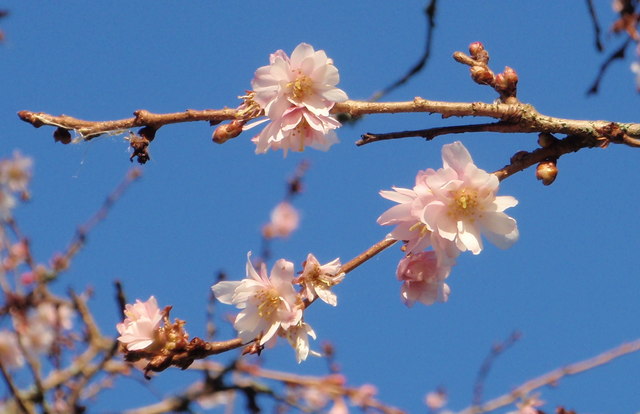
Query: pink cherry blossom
[(267, 303), (296, 129), (15, 173), (461, 203), (408, 226), (140, 327), (307, 79), (284, 220), (423, 278), (318, 279)]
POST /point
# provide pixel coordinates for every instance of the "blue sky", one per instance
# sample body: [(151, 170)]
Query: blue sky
[(570, 285)]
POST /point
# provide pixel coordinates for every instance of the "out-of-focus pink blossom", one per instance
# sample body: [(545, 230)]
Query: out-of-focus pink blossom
[(528, 405), (318, 279), (296, 129), (7, 203), (284, 220), (140, 327), (308, 79), (435, 400), (10, 354), (364, 395), (461, 203), (423, 279), (267, 303), (15, 173)]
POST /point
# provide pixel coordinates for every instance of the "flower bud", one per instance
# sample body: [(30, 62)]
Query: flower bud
[(547, 172), (225, 132), (545, 139), (482, 75), (477, 52)]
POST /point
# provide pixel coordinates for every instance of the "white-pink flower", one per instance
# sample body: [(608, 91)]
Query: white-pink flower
[(15, 173), (409, 227), (423, 278), (284, 220), (318, 279), (298, 336), (296, 129), (461, 203), (307, 79), (140, 328), (267, 303)]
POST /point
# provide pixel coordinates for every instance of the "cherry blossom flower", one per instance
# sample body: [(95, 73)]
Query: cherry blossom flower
[(461, 203), (318, 279), (284, 220), (10, 354), (267, 303), (15, 173), (139, 329), (308, 79), (435, 400), (408, 226), (7, 203), (423, 279), (296, 129), (298, 336)]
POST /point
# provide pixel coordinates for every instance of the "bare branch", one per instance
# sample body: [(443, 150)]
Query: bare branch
[(553, 377)]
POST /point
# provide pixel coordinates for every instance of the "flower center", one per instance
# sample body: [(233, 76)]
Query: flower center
[(269, 302), (420, 228), (301, 87), (464, 204)]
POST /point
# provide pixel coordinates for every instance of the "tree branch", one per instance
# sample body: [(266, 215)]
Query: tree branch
[(554, 377)]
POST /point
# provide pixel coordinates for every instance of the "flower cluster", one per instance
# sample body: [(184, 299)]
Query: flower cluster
[(297, 93), (272, 307), (34, 330), (448, 210)]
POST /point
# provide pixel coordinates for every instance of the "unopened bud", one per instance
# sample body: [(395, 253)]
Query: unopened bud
[(477, 52), (547, 172), (482, 75), (545, 139), (518, 156), (227, 131), (506, 82)]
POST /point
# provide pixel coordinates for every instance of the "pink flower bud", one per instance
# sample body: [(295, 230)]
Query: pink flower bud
[(227, 131), (547, 172)]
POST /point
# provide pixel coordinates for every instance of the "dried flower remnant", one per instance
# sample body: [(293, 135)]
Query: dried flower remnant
[(318, 279), (423, 279), (268, 303), (284, 220), (139, 330)]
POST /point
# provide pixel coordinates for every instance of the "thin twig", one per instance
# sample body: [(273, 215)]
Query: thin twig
[(553, 377), (617, 54), (430, 15), (596, 25), (496, 350), (366, 255), (13, 389)]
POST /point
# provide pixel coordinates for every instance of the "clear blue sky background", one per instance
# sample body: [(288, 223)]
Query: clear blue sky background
[(570, 285)]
